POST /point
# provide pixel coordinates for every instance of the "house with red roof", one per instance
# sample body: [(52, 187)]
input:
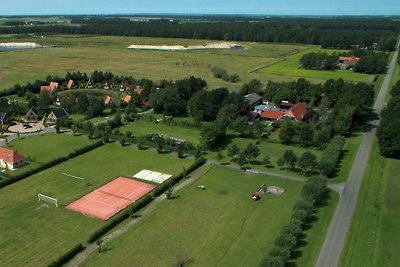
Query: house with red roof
[(70, 84), (272, 115), (297, 112), (138, 90), (125, 86), (10, 159), (49, 88), (346, 63)]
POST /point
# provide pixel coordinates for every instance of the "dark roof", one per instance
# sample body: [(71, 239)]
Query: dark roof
[(34, 110), (59, 113), (253, 98)]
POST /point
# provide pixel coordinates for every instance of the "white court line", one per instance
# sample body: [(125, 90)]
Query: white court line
[(76, 177)]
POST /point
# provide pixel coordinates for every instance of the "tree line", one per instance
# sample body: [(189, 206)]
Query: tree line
[(343, 33)]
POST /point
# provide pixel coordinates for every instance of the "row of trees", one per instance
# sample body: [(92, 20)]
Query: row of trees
[(343, 33), (331, 156), (388, 130), (285, 244)]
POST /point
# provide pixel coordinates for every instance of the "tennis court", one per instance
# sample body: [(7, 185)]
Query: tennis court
[(106, 201)]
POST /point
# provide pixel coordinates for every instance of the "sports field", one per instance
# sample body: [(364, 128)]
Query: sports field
[(291, 66), (34, 233), (218, 226), (110, 53), (40, 149)]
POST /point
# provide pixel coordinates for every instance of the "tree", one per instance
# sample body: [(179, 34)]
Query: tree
[(287, 132), (388, 130), (288, 159), (180, 151), (233, 150), (267, 161), (241, 160), (122, 139), (89, 128), (307, 162), (251, 152), (211, 135), (160, 141), (220, 156)]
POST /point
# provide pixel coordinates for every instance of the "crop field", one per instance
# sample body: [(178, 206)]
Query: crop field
[(109, 53), (218, 226), (290, 66), (40, 149), (34, 233)]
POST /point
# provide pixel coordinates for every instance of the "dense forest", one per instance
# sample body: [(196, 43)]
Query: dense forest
[(343, 32)]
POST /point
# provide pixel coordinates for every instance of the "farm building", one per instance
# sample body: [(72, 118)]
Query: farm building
[(253, 99), (10, 159), (347, 63)]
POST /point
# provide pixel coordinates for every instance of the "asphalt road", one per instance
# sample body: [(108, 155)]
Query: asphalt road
[(336, 236)]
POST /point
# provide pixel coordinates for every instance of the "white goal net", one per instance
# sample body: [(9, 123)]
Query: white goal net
[(48, 199)]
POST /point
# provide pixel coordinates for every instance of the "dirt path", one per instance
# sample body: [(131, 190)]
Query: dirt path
[(90, 248)]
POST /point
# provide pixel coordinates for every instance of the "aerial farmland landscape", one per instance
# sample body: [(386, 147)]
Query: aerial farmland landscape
[(190, 134)]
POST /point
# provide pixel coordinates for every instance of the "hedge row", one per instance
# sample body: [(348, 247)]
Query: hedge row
[(67, 256), (312, 193), (143, 202), (49, 164), (331, 155)]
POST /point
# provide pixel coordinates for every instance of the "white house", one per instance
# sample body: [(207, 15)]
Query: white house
[(10, 159)]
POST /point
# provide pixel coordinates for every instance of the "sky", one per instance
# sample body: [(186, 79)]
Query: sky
[(260, 7)]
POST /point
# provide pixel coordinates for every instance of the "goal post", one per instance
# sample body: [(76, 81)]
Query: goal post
[(48, 199)]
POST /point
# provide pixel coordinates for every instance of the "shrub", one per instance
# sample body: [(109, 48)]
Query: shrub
[(331, 155)]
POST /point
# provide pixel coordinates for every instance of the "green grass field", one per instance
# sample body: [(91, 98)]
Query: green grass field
[(141, 128), (40, 149), (219, 226), (108, 53), (33, 234), (374, 236), (290, 66)]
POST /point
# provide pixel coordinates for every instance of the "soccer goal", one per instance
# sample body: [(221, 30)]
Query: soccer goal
[(48, 199)]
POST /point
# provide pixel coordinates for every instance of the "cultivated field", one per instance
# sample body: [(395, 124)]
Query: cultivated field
[(291, 66), (110, 53), (40, 149), (35, 234), (219, 226)]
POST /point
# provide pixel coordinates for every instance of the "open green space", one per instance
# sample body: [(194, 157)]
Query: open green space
[(374, 236), (219, 226), (291, 66), (142, 127), (110, 53), (40, 149), (34, 233)]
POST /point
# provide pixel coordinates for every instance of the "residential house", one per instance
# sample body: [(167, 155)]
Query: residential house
[(56, 115), (108, 100), (253, 99), (347, 63), (125, 86), (10, 159), (297, 112), (49, 88), (32, 115), (138, 90), (89, 84), (3, 118), (108, 85), (147, 104), (70, 84), (272, 115)]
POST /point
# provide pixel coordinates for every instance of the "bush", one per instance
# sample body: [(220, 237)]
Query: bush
[(331, 155), (67, 256)]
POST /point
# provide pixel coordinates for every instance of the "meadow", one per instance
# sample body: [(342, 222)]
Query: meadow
[(110, 53), (34, 233), (291, 66), (40, 149), (219, 226)]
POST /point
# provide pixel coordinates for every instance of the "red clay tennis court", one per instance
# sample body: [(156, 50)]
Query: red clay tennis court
[(106, 201)]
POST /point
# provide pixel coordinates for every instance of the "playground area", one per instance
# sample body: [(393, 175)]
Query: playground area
[(108, 200)]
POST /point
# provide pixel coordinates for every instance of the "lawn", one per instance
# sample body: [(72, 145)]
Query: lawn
[(141, 128), (110, 53), (374, 236), (290, 66), (219, 226), (33, 234), (40, 149)]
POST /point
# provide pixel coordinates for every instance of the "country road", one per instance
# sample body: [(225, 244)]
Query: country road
[(336, 236)]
